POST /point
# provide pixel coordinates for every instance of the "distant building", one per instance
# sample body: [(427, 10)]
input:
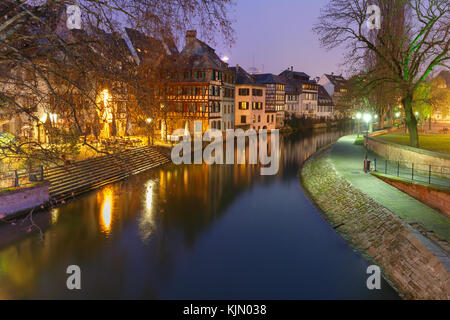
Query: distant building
[(299, 83), (336, 87), (250, 102), (275, 96), (444, 83), (325, 105)]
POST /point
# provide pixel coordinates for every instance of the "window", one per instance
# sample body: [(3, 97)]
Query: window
[(257, 106), (243, 105), (257, 92), (259, 119), (243, 119), (244, 92)]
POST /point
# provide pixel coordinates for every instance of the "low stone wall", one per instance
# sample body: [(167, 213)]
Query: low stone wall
[(376, 232), (23, 199), (421, 158), (434, 196)]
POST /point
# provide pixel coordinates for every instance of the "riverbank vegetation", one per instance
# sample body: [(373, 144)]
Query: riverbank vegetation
[(432, 142)]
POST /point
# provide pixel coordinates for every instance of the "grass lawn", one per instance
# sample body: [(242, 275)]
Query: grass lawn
[(432, 142)]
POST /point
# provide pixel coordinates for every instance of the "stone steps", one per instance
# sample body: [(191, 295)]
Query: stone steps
[(90, 174)]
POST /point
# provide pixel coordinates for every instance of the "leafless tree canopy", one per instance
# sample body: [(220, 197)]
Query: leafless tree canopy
[(47, 69), (412, 41)]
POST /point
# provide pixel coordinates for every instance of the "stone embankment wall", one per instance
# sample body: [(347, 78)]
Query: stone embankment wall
[(376, 232), (23, 199), (421, 158), (434, 196)]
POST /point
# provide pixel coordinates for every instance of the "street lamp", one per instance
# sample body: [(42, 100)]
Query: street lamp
[(148, 120), (368, 119)]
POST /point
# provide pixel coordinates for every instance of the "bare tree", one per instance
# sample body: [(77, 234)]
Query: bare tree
[(53, 79), (405, 55)]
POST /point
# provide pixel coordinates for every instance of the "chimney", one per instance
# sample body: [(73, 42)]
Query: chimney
[(237, 68), (191, 35), (292, 68)]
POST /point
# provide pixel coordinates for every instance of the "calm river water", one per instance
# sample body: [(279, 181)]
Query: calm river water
[(190, 232)]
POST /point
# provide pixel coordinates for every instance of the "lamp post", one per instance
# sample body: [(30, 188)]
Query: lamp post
[(368, 120), (149, 121)]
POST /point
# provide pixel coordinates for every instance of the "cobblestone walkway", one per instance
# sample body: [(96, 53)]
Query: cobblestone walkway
[(417, 271), (347, 158)]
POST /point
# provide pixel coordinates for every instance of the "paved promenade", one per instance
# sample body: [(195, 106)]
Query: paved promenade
[(348, 159)]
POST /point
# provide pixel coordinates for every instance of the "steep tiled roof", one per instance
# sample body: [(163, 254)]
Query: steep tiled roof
[(324, 97), (268, 78), (243, 77), (198, 55), (294, 75)]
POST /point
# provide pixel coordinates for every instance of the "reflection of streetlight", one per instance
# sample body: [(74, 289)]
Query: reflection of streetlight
[(397, 114), (416, 113)]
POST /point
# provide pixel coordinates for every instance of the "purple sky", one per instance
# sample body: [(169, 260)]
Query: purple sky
[(277, 34)]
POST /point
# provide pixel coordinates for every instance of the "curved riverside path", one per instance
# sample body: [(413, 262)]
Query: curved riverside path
[(348, 158), (415, 265)]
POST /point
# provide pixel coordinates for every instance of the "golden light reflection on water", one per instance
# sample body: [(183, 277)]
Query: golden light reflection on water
[(149, 196), (55, 215), (106, 212), (147, 220)]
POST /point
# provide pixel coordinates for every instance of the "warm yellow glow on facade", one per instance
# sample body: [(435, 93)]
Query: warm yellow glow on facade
[(43, 119)]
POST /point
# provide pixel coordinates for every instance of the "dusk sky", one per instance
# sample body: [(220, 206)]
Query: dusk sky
[(278, 34)]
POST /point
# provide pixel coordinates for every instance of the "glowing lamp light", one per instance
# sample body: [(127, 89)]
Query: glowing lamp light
[(53, 117), (367, 117), (376, 116), (148, 120), (43, 119), (225, 58), (416, 113), (358, 115), (397, 115)]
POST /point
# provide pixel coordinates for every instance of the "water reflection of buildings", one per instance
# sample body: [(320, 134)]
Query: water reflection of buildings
[(173, 206)]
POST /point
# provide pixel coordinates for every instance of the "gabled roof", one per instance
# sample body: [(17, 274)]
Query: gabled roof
[(243, 77), (268, 78), (335, 80), (198, 55), (294, 75), (324, 98)]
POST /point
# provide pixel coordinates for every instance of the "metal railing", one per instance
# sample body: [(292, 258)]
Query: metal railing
[(427, 173), (21, 178)]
